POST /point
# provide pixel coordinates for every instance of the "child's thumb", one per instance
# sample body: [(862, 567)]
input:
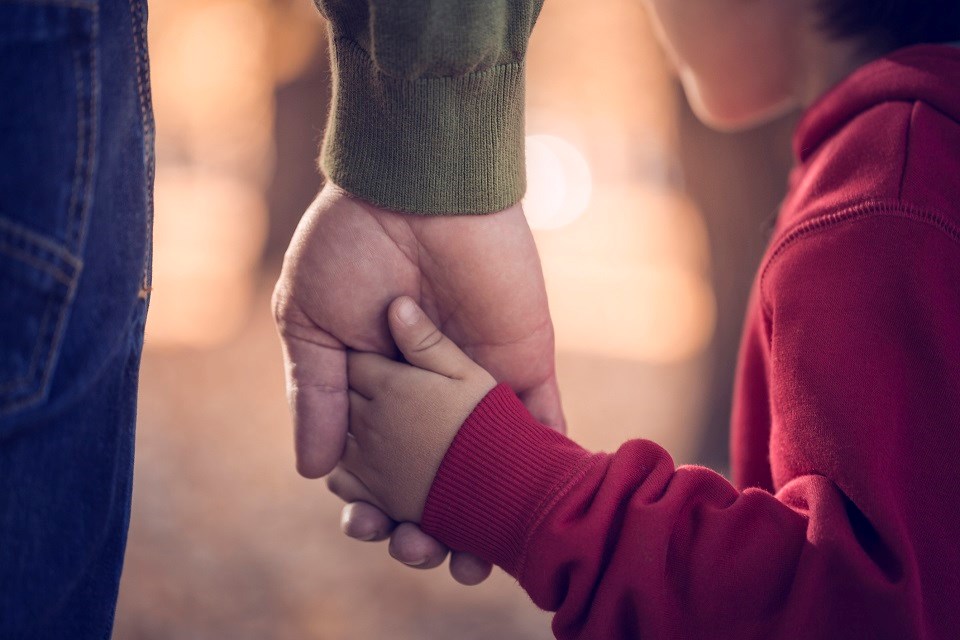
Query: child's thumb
[(422, 343)]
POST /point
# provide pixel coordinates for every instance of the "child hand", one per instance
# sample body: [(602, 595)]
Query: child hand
[(403, 417)]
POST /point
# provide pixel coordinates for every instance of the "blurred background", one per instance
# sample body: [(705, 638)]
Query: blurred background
[(649, 227)]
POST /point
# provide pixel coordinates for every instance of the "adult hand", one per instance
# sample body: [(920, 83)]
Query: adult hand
[(477, 277)]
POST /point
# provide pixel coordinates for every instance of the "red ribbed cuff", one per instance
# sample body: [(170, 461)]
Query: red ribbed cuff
[(500, 471)]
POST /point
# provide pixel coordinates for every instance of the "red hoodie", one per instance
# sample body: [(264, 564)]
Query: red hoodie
[(843, 518)]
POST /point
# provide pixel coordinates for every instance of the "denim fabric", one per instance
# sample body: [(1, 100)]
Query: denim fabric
[(76, 174)]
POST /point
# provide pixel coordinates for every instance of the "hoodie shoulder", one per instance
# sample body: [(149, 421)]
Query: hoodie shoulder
[(864, 161), (889, 133)]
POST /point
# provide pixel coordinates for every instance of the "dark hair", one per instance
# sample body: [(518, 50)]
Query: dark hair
[(890, 24)]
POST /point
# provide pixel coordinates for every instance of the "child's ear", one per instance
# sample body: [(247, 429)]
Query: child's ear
[(422, 344)]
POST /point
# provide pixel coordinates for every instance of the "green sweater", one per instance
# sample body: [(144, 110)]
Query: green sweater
[(427, 113)]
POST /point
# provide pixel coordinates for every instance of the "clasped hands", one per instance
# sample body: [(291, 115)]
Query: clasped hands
[(349, 272), (405, 415)]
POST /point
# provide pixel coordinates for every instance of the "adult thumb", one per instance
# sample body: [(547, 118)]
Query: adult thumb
[(422, 343)]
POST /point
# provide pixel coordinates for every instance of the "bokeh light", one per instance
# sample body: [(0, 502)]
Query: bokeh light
[(558, 182)]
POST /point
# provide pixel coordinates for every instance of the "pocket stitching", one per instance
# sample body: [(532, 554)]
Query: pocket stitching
[(41, 242), (52, 300), (38, 253), (86, 135), (37, 263)]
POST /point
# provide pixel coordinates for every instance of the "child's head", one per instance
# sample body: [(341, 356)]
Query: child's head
[(745, 61)]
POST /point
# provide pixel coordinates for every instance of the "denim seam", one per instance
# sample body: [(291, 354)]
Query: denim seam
[(35, 250), (38, 240), (137, 21), (79, 174), (87, 131), (37, 263), (869, 209), (90, 130)]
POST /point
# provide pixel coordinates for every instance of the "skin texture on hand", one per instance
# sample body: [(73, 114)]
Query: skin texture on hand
[(403, 417), (477, 277)]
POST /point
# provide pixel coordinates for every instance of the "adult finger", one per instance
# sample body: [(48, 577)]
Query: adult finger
[(316, 376), (413, 547), (422, 343), (468, 569), (543, 403)]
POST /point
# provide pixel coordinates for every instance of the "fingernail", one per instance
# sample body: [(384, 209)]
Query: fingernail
[(407, 312), (418, 563), (368, 537)]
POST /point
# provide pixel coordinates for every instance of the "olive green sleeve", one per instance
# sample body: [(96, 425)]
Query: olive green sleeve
[(427, 113)]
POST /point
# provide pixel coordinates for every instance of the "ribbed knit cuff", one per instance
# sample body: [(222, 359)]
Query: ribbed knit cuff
[(428, 145), (498, 474)]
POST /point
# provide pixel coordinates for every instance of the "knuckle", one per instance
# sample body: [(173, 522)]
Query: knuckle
[(433, 338), (281, 303), (277, 303)]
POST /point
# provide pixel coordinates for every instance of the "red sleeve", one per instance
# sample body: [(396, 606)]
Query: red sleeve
[(859, 540)]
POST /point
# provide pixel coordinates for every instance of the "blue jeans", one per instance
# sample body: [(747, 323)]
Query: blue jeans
[(76, 174)]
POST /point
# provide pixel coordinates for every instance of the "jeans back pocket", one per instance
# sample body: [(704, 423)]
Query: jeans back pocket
[(37, 280), (48, 118)]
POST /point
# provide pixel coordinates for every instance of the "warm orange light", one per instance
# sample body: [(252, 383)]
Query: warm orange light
[(629, 281), (655, 314), (208, 232), (213, 83)]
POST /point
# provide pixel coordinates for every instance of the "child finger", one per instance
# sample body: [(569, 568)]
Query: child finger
[(367, 372), (422, 343), (348, 487), (352, 459), (362, 421), (359, 412)]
